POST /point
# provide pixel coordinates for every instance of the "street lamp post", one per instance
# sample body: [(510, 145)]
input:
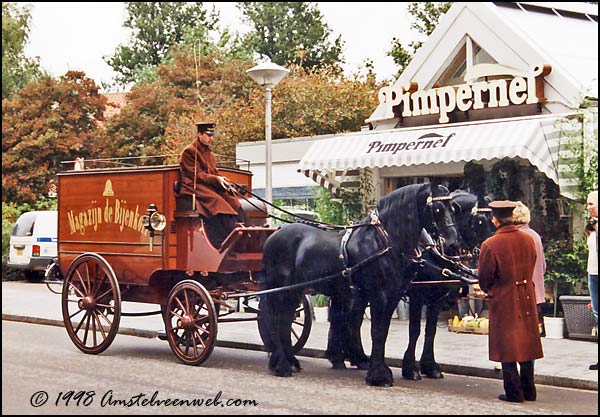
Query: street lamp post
[(268, 75)]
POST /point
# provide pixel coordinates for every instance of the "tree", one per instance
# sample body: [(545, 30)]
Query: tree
[(17, 69), (291, 33), (427, 15), (157, 27), (160, 115), (46, 122)]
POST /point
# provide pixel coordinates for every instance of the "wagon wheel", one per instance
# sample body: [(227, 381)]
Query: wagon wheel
[(301, 326), (53, 278), (191, 322), (91, 303)]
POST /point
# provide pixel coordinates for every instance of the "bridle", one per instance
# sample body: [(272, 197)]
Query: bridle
[(435, 229)]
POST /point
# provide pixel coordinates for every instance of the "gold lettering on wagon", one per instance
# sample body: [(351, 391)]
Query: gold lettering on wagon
[(116, 212)]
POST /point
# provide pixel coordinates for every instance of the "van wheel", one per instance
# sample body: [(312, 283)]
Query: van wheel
[(34, 276)]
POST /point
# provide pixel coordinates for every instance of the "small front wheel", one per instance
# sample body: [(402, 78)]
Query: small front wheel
[(191, 322)]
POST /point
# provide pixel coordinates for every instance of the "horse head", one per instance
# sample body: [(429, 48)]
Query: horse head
[(409, 209), (473, 217), (439, 218)]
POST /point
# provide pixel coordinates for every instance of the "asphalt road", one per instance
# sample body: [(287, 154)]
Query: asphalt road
[(41, 367)]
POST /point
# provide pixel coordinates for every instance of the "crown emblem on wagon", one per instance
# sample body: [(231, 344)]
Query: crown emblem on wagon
[(108, 191)]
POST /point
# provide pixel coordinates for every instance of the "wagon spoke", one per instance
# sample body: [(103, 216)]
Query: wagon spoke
[(94, 329), (76, 313), (193, 337), (173, 312), (201, 340), (81, 322), (82, 295), (295, 334), (187, 345), (187, 302), (180, 305), (202, 329), (100, 326), (104, 294), (87, 328), (105, 317), (81, 280), (99, 284), (87, 274)]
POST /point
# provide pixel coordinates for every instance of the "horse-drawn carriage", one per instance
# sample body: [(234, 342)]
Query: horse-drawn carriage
[(124, 234)]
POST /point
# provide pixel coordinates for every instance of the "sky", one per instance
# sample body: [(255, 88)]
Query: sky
[(76, 36)]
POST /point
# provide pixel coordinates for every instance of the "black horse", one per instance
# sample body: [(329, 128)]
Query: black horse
[(371, 263), (474, 224)]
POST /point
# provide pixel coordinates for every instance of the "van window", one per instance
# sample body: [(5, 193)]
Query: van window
[(24, 225)]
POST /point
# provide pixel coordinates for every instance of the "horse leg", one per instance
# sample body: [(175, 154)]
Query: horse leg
[(289, 312), (355, 351), (428, 365), (379, 373), (339, 327), (274, 321), (410, 369)]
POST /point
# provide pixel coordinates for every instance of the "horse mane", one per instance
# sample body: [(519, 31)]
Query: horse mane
[(399, 212)]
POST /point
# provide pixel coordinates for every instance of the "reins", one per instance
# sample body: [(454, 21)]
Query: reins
[(241, 190), (346, 272)]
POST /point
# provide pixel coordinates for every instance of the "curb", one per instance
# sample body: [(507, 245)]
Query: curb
[(320, 354)]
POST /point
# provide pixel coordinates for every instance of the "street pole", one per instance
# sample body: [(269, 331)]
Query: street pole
[(268, 150)]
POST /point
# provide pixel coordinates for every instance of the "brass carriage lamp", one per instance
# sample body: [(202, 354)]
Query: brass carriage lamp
[(153, 221)]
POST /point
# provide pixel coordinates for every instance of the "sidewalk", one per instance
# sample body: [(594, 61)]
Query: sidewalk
[(565, 361)]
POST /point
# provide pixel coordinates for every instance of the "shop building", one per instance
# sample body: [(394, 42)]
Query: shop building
[(497, 86)]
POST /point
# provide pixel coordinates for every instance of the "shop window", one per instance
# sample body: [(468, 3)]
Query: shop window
[(455, 72)]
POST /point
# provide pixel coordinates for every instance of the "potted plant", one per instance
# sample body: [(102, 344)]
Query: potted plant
[(565, 273), (321, 307)]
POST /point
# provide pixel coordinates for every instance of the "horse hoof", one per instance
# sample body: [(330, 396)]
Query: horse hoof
[(338, 365), (380, 377), (435, 374), (283, 374), (384, 384), (412, 376)]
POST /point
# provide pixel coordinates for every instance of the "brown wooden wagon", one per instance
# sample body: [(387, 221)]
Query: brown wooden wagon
[(125, 235)]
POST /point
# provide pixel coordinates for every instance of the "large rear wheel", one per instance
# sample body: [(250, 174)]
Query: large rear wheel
[(91, 303), (191, 322)]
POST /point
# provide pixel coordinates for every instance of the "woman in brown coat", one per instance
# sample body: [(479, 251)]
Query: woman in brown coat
[(505, 269)]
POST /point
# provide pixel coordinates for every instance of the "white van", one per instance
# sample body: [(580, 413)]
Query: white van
[(33, 242)]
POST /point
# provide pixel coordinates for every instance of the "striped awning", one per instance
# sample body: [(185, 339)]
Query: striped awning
[(536, 139)]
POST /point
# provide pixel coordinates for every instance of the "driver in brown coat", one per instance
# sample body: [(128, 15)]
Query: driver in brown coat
[(215, 200), (505, 270)]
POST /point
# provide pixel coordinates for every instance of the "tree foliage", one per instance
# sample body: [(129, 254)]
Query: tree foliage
[(17, 69), (291, 33), (427, 15), (160, 115), (157, 27), (47, 122)]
